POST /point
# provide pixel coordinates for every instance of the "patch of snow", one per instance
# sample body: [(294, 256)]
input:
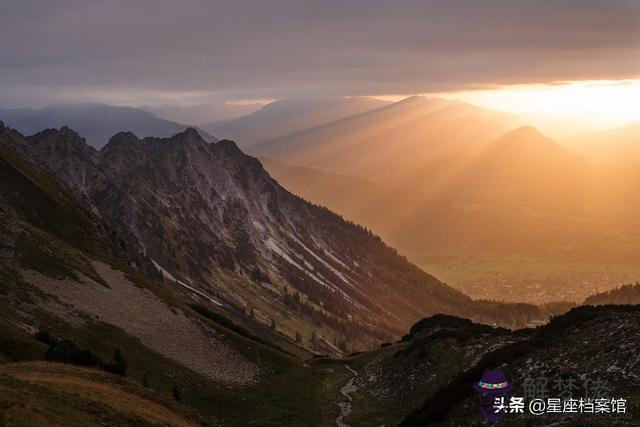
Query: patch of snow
[(323, 262), (271, 244), (258, 226), (270, 287), (336, 349), (169, 276)]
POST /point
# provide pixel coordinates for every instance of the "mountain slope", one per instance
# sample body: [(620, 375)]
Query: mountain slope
[(38, 393), (351, 197), (522, 168), (427, 378), (287, 116), (576, 345), (95, 122), (615, 154), (523, 194), (509, 219), (65, 278), (625, 294), (388, 143), (212, 220), (613, 145)]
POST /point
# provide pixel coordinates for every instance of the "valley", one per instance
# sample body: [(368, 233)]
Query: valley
[(531, 281), (247, 338), (355, 213)]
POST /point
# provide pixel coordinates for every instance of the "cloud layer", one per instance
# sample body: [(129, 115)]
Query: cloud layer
[(157, 51)]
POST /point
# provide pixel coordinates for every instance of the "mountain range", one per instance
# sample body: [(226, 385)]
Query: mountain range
[(95, 122), (464, 192), (522, 193), (286, 116), (388, 143), (210, 219), (215, 285)]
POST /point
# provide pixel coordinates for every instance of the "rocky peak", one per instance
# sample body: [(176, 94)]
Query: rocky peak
[(52, 145), (213, 220), (229, 147), (192, 133)]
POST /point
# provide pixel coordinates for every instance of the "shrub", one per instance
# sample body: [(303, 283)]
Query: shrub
[(118, 366), (67, 351), (176, 394), (44, 337)]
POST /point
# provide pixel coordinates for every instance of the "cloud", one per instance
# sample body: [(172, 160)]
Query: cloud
[(224, 50)]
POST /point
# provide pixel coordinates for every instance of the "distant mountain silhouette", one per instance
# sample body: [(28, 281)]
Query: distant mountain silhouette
[(521, 193), (287, 116), (612, 145), (94, 122), (522, 168), (350, 194), (391, 142)]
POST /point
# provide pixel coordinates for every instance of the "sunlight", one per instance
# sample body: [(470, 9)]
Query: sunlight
[(565, 108)]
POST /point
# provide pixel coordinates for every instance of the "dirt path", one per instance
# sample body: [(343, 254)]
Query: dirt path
[(346, 390)]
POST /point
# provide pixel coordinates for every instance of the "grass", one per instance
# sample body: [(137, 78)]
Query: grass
[(286, 394), (16, 344), (41, 394), (54, 237), (400, 360)]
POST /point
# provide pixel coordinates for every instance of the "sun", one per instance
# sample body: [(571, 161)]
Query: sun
[(567, 108)]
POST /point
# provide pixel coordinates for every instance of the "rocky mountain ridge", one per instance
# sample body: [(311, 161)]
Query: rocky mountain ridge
[(212, 220)]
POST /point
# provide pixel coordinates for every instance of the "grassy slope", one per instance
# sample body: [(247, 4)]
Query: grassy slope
[(287, 393), (53, 236), (39, 394)]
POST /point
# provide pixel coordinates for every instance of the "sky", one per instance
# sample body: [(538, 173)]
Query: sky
[(193, 52)]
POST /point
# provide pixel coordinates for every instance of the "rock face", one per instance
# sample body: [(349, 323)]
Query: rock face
[(211, 219), (95, 122)]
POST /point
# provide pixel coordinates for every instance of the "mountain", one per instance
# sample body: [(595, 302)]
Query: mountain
[(388, 143), (202, 113), (615, 154), (427, 378), (288, 116), (471, 218), (612, 145), (522, 168), (523, 194), (70, 294), (95, 122), (351, 197), (214, 222), (74, 290)]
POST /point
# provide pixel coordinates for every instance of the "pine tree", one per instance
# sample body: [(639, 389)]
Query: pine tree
[(314, 339), (298, 337), (273, 324), (119, 364), (176, 394)]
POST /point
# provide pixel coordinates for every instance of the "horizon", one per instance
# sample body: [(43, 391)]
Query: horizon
[(429, 212), (561, 124), (568, 67)]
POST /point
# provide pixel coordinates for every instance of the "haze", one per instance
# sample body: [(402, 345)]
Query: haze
[(523, 143), (158, 53)]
